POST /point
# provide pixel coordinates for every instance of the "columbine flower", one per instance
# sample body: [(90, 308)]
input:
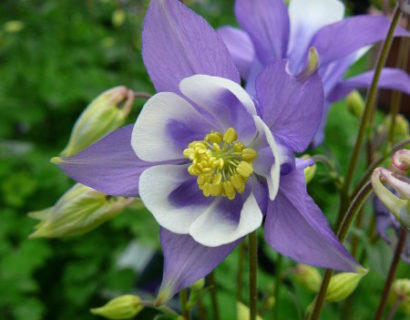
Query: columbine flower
[(207, 160), (272, 32)]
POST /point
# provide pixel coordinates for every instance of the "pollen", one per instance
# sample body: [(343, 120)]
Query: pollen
[(221, 163)]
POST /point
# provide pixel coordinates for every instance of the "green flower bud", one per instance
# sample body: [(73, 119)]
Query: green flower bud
[(243, 312), (400, 291), (309, 171), (13, 26), (118, 18), (342, 285), (355, 104), (100, 117), (122, 307), (80, 210), (199, 285), (400, 208), (401, 126), (308, 276)]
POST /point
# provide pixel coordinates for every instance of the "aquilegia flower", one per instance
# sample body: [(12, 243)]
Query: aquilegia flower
[(210, 162), (272, 32)]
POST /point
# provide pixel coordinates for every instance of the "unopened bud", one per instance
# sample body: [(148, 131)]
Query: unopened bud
[(355, 104), (243, 312), (401, 160), (309, 170), (342, 285), (122, 307), (13, 26), (400, 208), (199, 285), (100, 117), (401, 126), (118, 18), (308, 276), (400, 292), (80, 210)]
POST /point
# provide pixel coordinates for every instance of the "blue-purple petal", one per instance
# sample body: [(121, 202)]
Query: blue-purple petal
[(177, 43), (296, 228), (267, 23), (186, 261), (109, 166), (342, 38), (390, 78), (291, 106)]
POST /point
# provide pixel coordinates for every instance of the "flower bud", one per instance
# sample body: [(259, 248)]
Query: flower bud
[(13, 26), (308, 276), (342, 285), (355, 104), (401, 126), (401, 160), (199, 285), (80, 210), (118, 18), (242, 312), (122, 307), (100, 117), (400, 208), (400, 291), (309, 170)]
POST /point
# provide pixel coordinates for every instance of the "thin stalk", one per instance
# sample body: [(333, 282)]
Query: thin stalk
[(277, 286), (183, 298), (239, 276), (368, 110), (253, 269), (214, 298), (392, 272), (201, 309), (396, 95), (393, 309), (142, 95), (355, 206), (355, 240)]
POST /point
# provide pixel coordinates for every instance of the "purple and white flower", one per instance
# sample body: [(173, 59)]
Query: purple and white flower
[(272, 32), (209, 161)]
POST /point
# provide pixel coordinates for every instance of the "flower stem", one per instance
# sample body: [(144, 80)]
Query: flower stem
[(355, 206), (183, 297), (277, 286), (239, 276), (214, 298), (396, 95), (253, 268), (392, 272), (393, 309), (368, 110), (142, 95)]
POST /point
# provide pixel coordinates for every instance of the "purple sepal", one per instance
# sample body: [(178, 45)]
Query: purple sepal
[(178, 43), (186, 261), (109, 165), (296, 228)]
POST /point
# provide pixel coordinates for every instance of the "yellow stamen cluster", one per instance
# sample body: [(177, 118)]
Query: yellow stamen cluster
[(221, 162)]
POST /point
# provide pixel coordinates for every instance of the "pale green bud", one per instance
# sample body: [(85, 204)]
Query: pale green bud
[(342, 285), (242, 312), (400, 208), (122, 307), (118, 18), (199, 285), (80, 210), (308, 276), (309, 171), (401, 126), (100, 117), (400, 291), (13, 26), (355, 104)]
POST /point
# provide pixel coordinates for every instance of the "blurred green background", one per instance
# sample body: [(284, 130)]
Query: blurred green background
[(55, 57)]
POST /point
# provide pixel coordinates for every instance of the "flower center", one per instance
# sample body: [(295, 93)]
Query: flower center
[(221, 162)]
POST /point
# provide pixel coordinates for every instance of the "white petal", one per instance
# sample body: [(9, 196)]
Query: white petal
[(155, 187), (214, 228), (271, 173), (151, 139), (214, 95)]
